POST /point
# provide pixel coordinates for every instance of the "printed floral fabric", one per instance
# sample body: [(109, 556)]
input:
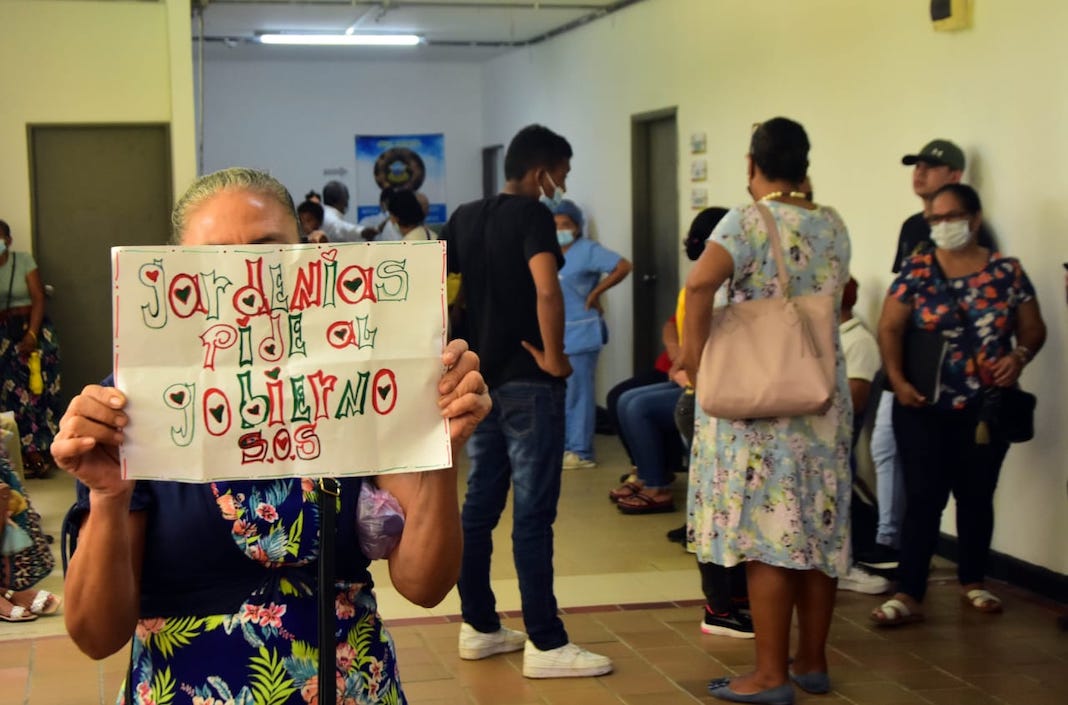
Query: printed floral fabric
[(987, 300), (777, 490), (36, 414), (265, 653)]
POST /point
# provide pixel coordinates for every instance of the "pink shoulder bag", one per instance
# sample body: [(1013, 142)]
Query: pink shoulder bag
[(770, 357)]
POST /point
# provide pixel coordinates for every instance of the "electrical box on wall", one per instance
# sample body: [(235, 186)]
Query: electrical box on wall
[(951, 15)]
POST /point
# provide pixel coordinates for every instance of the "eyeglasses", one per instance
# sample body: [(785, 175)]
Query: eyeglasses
[(936, 218)]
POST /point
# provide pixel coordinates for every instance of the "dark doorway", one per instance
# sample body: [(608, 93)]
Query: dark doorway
[(657, 241), (93, 187)]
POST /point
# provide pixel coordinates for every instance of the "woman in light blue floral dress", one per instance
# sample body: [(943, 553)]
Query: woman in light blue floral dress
[(774, 493)]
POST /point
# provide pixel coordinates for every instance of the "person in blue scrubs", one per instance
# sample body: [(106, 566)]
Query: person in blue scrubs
[(589, 270)]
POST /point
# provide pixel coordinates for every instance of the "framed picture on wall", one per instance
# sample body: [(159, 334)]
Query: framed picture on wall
[(697, 143), (698, 198), (698, 170)]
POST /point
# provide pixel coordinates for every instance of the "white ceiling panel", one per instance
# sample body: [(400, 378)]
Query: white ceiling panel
[(440, 22)]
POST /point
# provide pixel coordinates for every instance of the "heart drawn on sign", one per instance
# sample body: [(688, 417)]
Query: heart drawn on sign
[(153, 275), (249, 300), (177, 397), (384, 390), (281, 444), (354, 285), (217, 412), (330, 255), (269, 348), (183, 293), (340, 334), (254, 409), (273, 373), (242, 321)]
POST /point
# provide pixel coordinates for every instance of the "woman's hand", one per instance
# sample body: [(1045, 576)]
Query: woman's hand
[(907, 395), (463, 395), (1007, 370), (88, 439), (28, 343), (593, 302)]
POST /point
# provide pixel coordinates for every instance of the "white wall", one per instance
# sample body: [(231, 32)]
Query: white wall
[(296, 118), (871, 82), (86, 63)]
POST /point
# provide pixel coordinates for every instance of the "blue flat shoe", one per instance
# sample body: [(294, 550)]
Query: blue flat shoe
[(816, 682), (780, 695)]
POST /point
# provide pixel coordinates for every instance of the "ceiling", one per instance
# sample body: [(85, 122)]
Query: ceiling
[(472, 30)]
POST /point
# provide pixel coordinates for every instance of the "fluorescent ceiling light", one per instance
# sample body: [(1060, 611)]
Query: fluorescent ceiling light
[(375, 40)]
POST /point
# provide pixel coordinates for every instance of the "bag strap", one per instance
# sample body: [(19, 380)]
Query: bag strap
[(11, 282), (776, 247), (329, 489)]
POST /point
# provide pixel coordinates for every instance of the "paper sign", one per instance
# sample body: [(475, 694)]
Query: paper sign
[(259, 361)]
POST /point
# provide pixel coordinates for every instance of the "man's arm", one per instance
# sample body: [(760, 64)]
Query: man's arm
[(550, 316)]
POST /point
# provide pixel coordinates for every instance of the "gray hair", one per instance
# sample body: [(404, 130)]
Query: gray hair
[(210, 185)]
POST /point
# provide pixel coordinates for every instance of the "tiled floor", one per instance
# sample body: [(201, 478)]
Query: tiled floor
[(628, 593)]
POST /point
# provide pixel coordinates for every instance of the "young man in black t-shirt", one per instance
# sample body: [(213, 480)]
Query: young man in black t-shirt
[(506, 250)]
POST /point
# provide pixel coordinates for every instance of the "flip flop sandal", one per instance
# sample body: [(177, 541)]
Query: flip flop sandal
[(45, 602), (644, 504), (18, 614), (624, 491), (982, 600), (893, 613)]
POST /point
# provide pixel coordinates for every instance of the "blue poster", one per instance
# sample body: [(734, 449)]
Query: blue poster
[(414, 162)]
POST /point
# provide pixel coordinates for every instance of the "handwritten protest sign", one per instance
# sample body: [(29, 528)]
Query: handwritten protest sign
[(280, 361)]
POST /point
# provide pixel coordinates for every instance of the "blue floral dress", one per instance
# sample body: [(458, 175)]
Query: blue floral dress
[(777, 490), (266, 651)]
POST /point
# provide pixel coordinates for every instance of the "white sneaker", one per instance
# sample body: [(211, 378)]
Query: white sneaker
[(567, 661), (858, 580), (476, 645), (573, 461)]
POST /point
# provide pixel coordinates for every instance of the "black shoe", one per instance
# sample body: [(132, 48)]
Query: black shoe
[(732, 624), (677, 535), (880, 556)]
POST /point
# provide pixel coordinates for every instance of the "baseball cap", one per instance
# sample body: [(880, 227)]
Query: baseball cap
[(939, 153)]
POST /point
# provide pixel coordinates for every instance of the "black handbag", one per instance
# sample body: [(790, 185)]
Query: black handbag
[(1007, 414)]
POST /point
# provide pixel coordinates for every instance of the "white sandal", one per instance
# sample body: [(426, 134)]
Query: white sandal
[(41, 604), (894, 612), (983, 600)]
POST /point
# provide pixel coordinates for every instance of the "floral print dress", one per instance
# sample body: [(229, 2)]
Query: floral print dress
[(777, 490), (266, 652)]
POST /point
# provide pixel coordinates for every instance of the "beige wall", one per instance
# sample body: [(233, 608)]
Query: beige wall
[(90, 62), (871, 81)]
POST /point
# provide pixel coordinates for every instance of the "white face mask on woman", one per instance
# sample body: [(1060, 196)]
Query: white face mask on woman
[(951, 234)]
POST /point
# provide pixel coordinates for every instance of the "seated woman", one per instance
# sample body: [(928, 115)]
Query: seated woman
[(647, 413), (27, 338), (214, 612), (25, 557)]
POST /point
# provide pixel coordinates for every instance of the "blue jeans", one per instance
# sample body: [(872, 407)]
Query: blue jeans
[(889, 475), (580, 405), (520, 443), (647, 421)]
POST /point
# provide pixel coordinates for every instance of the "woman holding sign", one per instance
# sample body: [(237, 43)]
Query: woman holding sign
[(216, 582)]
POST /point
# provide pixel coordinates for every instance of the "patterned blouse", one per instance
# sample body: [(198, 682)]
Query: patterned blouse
[(229, 610), (987, 300)]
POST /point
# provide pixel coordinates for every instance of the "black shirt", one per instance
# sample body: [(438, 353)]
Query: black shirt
[(490, 243), (916, 236)]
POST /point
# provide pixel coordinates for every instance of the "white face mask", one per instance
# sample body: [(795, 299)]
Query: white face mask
[(565, 237), (558, 194), (3, 247), (951, 234)]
